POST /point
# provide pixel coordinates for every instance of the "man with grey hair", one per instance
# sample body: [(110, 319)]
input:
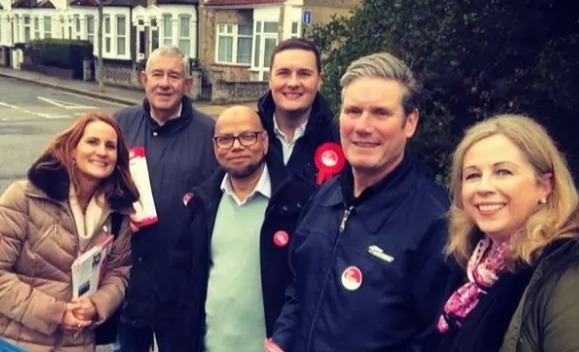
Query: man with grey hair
[(177, 143), (369, 273)]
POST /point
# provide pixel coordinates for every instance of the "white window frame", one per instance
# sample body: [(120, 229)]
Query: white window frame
[(90, 35), (167, 30), (77, 27), (107, 34), (121, 47), (154, 29), (1, 20), (47, 24), (187, 36), (223, 31), (36, 27), (27, 29)]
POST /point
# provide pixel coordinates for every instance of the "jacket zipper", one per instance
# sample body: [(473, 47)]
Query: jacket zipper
[(343, 222)]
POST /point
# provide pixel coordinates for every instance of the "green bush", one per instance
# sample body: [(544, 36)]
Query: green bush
[(62, 53), (475, 59)]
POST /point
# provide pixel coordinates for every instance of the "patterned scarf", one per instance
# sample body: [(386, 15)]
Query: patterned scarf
[(485, 265)]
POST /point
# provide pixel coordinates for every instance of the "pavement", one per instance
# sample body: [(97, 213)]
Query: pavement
[(125, 96)]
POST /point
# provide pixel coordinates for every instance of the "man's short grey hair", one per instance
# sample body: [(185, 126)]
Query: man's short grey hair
[(171, 51), (386, 66)]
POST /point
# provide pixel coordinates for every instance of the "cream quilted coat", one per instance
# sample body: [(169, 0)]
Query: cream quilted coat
[(39, 245)]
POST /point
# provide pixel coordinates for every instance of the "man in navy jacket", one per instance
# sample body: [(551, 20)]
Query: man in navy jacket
[(369, 273)]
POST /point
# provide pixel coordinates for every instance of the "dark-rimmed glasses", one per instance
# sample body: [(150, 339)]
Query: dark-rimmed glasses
[(246, 139)]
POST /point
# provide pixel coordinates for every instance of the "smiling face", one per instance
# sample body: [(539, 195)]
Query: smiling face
[(294, 80), (96, 153), (246, 154), (165, 83), (373, 126), (500, 189)]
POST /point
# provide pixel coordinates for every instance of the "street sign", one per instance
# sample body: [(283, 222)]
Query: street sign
[(307, 16)]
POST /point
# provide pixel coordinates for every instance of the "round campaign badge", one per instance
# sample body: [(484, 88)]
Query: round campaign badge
[(280, 238), (186, 198), (352, 278)]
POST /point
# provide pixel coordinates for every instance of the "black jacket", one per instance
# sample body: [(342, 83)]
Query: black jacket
[(179, 157), (287, 199), (321, 128)]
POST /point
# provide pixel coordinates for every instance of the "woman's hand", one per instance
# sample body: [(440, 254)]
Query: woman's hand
[(84, 309), (70, 324)]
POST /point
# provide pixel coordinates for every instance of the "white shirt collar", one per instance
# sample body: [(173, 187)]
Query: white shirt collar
[(178, 114), (299, 131), (263, 186)]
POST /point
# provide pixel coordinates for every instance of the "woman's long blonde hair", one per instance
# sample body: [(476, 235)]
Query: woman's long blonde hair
[(550, 221)]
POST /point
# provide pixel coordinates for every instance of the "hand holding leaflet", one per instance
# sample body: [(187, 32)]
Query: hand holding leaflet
[(145, 211)]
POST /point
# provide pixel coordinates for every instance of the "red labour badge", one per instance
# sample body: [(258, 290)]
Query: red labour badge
[(329, 160), (281, 238)]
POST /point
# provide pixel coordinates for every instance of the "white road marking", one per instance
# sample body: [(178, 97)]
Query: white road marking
[(108, 102), (66, 104)]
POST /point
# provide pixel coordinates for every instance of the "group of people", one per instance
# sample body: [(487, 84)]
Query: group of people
[(282, 230)]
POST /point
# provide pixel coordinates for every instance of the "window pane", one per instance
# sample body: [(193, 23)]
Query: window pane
[(153, 22), (47, 24), (244, 50), (225, 49), (244, 29), (294, 28), (185, 46), (90, 25), (154, 39), (26, 34), (168, 30), (184, 26), (258, 27), (108, 45), (121, 45), (256, 52), (107, 25), (270, 27), (269, 45), (121, 30)]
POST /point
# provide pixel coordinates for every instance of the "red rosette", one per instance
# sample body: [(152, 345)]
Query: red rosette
[(329, 160)]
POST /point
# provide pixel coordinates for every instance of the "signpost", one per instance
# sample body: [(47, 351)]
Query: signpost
[(307, 17)]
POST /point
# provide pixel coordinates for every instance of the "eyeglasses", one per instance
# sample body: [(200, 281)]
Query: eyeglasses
[(246, 139)]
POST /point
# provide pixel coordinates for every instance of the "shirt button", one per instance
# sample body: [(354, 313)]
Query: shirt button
[(155, 134)]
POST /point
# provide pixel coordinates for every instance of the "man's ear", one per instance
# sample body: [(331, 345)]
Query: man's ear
[(188, 84), (143, 76)]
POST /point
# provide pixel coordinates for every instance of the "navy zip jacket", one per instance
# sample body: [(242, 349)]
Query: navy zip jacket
[(287, 200), (369, 273), (179, 157), (321, 128)]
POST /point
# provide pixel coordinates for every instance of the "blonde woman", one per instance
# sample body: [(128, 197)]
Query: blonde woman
[(513, 230)]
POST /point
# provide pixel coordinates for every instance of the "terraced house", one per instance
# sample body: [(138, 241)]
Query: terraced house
[(228, 41)]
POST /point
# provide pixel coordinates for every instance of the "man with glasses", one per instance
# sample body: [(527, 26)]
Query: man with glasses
[(243, 219)]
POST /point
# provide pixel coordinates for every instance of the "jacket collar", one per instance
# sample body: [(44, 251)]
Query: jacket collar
[(376, 207), (174, 124), (320, 118)]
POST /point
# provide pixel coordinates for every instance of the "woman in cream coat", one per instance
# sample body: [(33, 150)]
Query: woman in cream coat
[(62, 210)]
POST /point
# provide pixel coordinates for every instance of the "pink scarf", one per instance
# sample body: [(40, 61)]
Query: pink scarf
[(485, 265)]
